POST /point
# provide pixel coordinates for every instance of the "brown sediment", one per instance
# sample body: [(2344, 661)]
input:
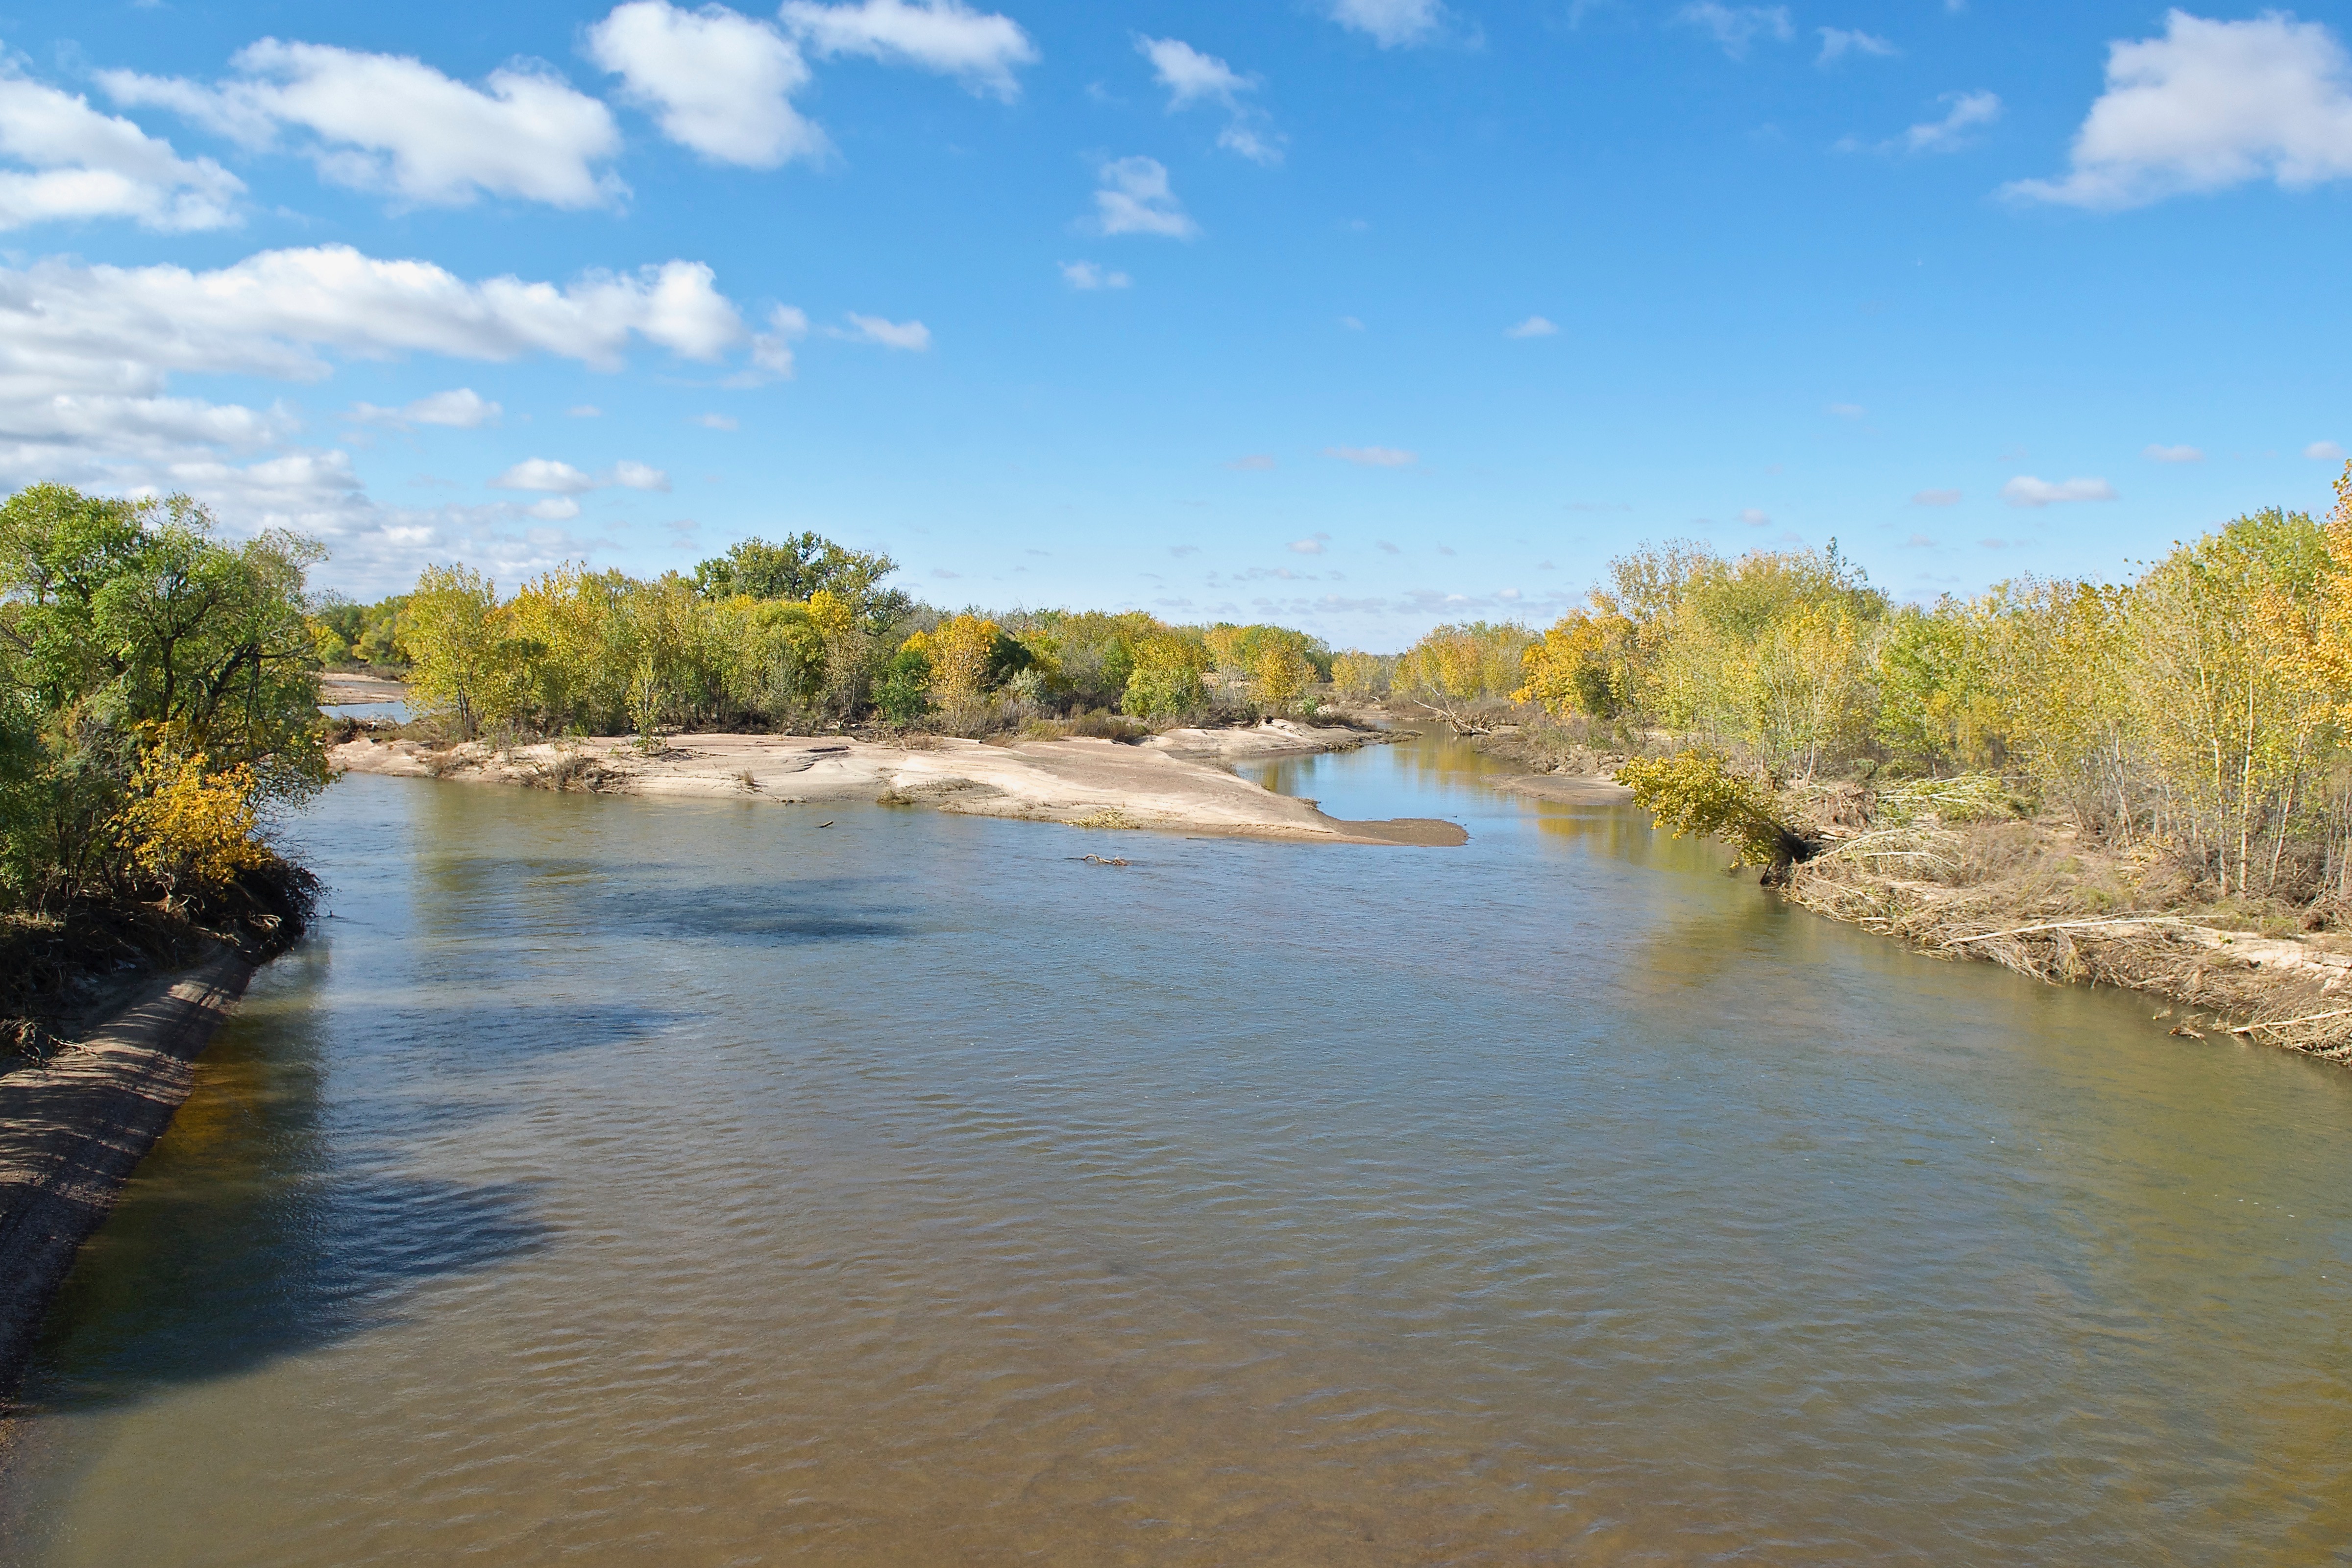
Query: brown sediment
[(1172, 782), (73, 1131), (1428, 830), (1577, 789)]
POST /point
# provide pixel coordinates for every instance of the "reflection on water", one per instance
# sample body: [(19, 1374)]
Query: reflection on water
[(617, 1182)]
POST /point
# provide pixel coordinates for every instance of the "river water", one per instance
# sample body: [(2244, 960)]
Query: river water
[(615, 1182)]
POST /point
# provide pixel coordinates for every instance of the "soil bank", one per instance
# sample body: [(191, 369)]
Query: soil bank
[(73, 1131)]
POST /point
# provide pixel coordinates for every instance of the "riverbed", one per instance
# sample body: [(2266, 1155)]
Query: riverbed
[(615, 1181)]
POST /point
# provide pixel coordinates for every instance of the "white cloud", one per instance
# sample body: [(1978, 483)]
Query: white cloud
[(910, 335), (719, 83), (1736, 26), (80, 164), (2324, 452), (1311, 545), (1191, 77), (1372, 457), (717, 422), (946, 37), (1135, 198), (771, 350), (556, 509), (639, 476), (2027, 491), (115, 328), (1254, 463), (1848, 410), (1533, 327), (1839, 42), (2173, 455), (1967, 113), (1754, 518), (1248, 142), (544, 474), (1086, 275), (584, 411), (87, 354), (1937, 498), (1351, 323), (2208, 105), (460, 409), (389, 123), (1390, 24)]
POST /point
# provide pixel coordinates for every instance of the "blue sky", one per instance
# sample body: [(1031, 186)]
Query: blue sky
[(1356, 314)]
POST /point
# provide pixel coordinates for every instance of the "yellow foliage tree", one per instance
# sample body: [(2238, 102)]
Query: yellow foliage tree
[(189, 826)]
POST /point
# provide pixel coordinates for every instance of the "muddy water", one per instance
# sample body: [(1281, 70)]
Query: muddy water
[(616, 1183)]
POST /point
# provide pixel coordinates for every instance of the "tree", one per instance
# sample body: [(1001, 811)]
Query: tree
[(456, 637), (135, 644), (803, 565)]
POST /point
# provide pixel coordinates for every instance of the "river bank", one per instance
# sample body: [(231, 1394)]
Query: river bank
[(1176, 782), (74, 1128), (2029, 894)]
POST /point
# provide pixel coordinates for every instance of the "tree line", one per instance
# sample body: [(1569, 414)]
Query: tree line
[(793, 636), (2199, 706)]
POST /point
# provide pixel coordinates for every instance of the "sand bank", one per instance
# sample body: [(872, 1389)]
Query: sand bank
[(1172, 782), (71, 1132)]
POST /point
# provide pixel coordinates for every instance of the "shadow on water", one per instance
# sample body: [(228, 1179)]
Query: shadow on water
[(260, 1226)]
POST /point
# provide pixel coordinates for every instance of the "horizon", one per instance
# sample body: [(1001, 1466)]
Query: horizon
[(1358, 317)]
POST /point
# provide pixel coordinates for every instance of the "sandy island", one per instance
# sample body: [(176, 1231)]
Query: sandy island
[(1175, 782)]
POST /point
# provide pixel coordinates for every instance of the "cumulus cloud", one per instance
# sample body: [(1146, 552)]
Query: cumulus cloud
[(1191, 77), (1839, 42), (1135, 198), (544, 474), (88, 352), (392, 123), (1311, 545), (2206, 106), (2027, 491), (1533, 327), (1735, 27), (912, 336), (945, 36), (717, 81), (551, 476), (1937, 498), (2325, 452), (462, 408), (1391, 24), (1086, 275), (2158, 454), (75, 163), (1754, 518), (85, 327), (555, 509), (1373, 457)]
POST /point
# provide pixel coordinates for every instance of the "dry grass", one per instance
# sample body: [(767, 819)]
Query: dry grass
[(2030, 896)]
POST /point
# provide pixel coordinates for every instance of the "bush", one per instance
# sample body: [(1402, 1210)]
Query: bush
[(1696, 793)]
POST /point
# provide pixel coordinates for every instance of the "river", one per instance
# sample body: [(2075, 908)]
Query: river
[(626, 1182)]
